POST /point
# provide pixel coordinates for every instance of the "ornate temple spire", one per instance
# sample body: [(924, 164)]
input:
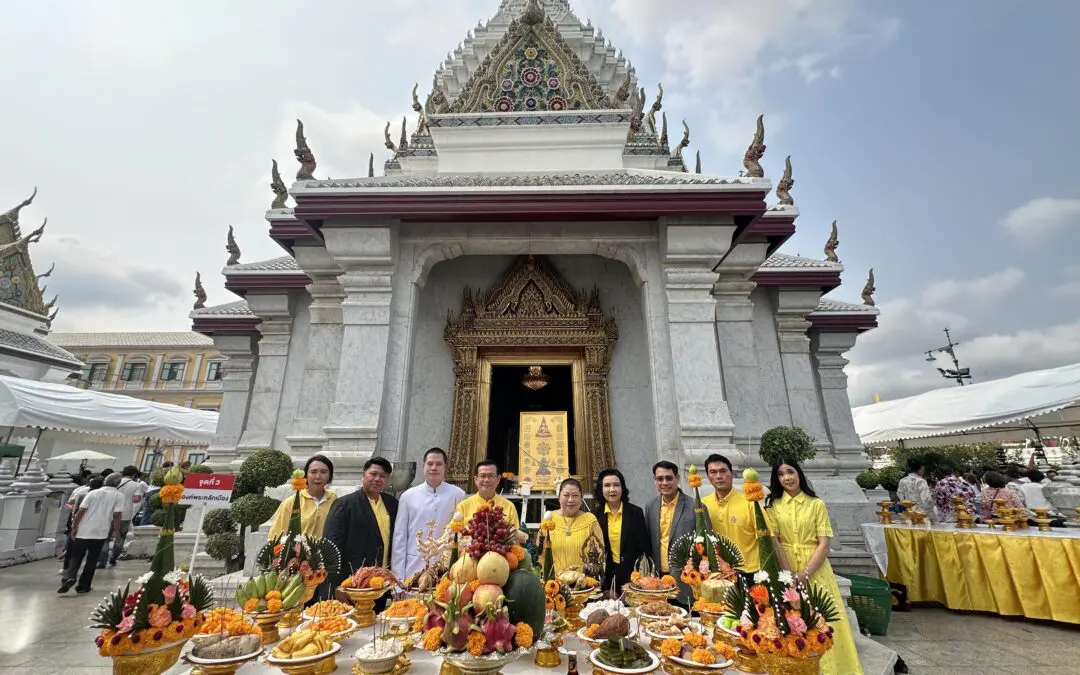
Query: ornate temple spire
[(304, 155), (199, 292), (663, 140), (233, 249), (10, 219), (421, 124), (281, 193), (657, 105), (403, 144), (783, 188), (831, 244), (371, 165), (697, 162), (533, 13), (755, 152), (868, 290)]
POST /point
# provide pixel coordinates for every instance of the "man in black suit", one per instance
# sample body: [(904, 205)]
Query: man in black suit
[(669, 516), (362, 524)]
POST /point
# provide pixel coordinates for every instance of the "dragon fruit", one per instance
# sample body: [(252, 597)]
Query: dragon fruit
[(457, 621), (498, 631), (456, 633), (436, 618)]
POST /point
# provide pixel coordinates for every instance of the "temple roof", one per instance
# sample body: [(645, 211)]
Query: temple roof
[(127, 340), (20, 287), (237, 308), (37, 347), (829, 306), (779, 262), (285, 263)]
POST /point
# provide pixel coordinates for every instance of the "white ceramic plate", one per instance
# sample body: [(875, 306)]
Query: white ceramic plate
[(694, 628), (274, 661), (654, 663), (342, 634), (585, 612), (191, 658), (679, 611), (719, 665)]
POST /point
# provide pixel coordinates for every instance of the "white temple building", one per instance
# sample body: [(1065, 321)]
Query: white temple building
[(535, 212)]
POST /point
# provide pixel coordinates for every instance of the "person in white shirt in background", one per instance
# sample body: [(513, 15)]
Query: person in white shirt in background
[(434, 499), (913, 487), (77, 495), (99, 514), (133, 490)]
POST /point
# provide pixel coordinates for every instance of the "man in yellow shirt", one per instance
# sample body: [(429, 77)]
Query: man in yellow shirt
[(486, 478), (730, 514), (668, 517), (362, 524)]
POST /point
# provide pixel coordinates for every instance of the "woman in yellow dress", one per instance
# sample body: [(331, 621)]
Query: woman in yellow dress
[(574, 527), (801, 532), (315, 501)]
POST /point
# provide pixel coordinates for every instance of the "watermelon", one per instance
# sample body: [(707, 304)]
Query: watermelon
[(525, 600)]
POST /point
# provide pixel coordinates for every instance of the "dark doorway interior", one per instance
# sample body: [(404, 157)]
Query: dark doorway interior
[(509, 398)]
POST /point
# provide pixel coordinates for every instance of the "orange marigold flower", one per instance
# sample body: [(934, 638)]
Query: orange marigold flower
[(418, 625), (376, 582), (512, 561), (667, 580), (442, 590), (703, 656), (518, 551), (549, 602), (695, 481), (298, 484), (551, 587), (634, 576), (473, 585), (671, 647), (251, 605), (560, 603), (724, 649), (457, 525), (170, 494), (273, 594), (695, 639), (753, 491), (432, 639), (759, 594), (273, 605), (547, 525), (523, 635), (475, 643)]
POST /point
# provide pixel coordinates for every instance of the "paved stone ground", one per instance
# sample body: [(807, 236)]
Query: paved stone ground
[(42, 633)]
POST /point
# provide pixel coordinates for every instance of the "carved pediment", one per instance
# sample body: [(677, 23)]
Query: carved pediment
[(532, 69)]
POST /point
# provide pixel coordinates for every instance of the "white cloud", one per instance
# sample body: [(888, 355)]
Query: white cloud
[(1069, 286), (988, 289), (1041, 218)]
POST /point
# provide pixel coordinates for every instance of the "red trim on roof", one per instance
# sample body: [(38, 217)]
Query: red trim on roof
[(858, 321), (825, 280)]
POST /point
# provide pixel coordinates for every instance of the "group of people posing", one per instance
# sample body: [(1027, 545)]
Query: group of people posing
[(372, 528)]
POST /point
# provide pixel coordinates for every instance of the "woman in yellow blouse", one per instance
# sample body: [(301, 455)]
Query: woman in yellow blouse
[(573, 527), (801, 532), (315, 501)]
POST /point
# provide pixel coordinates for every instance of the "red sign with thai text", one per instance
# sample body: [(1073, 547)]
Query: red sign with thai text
[(212, 490)]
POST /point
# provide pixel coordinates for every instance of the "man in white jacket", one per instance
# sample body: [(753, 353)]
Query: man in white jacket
[(432, 500)]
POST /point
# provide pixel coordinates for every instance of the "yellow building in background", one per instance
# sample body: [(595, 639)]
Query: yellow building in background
[(181, 368)]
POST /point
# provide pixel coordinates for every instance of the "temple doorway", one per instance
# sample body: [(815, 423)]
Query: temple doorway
[(509, 397)]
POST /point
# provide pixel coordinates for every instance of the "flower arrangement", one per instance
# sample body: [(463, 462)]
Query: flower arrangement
[(228, 622), (703, 555), (556, 595), (166, 608), (782, 616), (646, 577), (312, 558)]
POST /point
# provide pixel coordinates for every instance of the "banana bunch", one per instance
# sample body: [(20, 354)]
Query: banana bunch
[(289, 589), (302, 645)]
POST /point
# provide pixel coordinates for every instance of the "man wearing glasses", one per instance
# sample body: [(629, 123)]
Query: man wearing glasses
[(669, 516), (486, 479)]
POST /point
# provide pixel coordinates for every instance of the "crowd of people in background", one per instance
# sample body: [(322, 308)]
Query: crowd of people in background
[(1020, 487)]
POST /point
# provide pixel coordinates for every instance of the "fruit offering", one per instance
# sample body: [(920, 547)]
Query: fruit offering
[(302, 645), (489, 531), (660, 608), (327, 608), (270, 592), (576, 580), (225, 621), (373, 578), (602, 626), (624, 654), (645, 577)]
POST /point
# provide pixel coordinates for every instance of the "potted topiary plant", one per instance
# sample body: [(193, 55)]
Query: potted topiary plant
[(791, 442), (222, 541), (868, 480), (250, 508), (890, 479)]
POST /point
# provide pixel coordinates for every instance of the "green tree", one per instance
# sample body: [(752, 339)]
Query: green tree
[(792, 442), (250, 508)]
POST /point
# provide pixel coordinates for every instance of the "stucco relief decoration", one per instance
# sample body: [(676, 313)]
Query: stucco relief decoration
[(19, 286), (532, 69), (531, 306)]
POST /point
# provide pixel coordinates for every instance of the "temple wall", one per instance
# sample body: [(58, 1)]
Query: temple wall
[(771, 400), (432, 380), (294, 371)]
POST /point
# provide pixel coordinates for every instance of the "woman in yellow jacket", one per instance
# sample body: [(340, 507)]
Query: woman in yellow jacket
[(315, 501), (575, 527)]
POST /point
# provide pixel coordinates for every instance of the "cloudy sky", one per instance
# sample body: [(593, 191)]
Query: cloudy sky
[(941, 135)]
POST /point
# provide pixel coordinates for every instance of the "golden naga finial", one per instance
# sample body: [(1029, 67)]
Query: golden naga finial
[(421, 125), (277, 186), (304, 155), (783, 188), (697, 162), (657, 105), (755, 152), (623, 93), (831, 244), (233, 249), (403, 144), (371, 165), (12, 215), (868, 290), (387, 141), (684, 143), (200, 293), (662, 142)]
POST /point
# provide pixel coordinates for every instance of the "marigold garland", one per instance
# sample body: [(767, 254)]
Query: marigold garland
[(753, 490), (170, 494), (671, 647), (298, 484), (475, 643), (702, 656), (523, 635), (113, 643), (695, 640), (432, 639)]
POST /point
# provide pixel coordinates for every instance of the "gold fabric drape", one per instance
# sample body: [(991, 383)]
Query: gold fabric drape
[(1016, 575)]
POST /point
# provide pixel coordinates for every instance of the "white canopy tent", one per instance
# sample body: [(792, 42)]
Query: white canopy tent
[(1005, 409), (106, 417)]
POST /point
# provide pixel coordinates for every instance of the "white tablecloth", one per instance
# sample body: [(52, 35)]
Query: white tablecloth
[(874, 535)]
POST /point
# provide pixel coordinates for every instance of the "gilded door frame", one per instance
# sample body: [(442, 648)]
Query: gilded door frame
[(531, 316)]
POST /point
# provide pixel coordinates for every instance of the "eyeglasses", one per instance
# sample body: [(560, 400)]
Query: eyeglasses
[(664, 479), (487, 476)]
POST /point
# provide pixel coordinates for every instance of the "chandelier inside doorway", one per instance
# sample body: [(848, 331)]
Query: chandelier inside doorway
[(536, 379)]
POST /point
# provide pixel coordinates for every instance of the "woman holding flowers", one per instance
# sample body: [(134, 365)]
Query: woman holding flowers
[(315, 500), (573, 527), (799, 523)]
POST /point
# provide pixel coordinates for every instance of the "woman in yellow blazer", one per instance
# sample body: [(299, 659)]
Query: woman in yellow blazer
[(315, 501)]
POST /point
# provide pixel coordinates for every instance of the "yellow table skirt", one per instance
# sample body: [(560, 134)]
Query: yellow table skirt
[(1035, 577)]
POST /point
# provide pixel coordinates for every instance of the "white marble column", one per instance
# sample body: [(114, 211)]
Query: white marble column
[(692, 248), (793, 306), (239, 350), (23, 513), (828, 348), (366, 254), (275, 312), (319, 380)]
